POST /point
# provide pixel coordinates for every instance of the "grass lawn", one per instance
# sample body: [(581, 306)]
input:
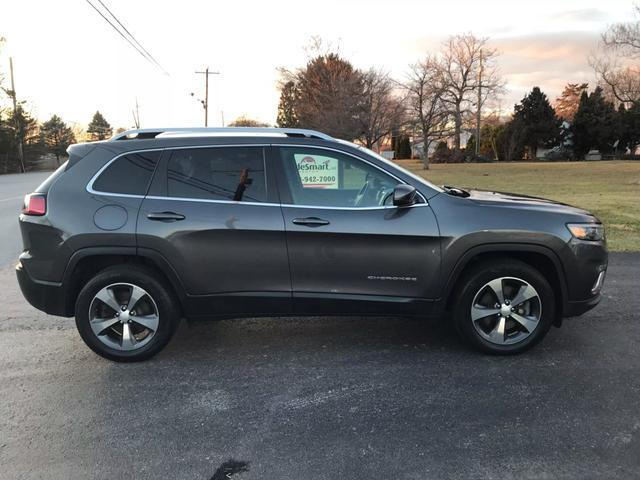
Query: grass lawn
[(610, 190)]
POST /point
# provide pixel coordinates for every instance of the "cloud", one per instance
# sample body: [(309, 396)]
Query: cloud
[(549, 61), (581, 15)]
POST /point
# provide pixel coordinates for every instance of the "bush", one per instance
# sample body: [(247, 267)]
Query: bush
[(558, 154), (472, 158), (444, 154)]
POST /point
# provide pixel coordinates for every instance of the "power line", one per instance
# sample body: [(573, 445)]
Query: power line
[(140, 50), (132, 37)]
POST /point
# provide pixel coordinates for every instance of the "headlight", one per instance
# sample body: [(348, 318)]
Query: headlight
[(587, 231)]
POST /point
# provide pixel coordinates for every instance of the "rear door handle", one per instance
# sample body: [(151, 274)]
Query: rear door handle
[(310, 221), (165, 216)]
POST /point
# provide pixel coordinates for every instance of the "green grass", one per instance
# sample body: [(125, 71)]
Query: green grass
[(610, 190)]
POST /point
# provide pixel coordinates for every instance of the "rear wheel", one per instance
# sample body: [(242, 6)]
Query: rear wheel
[(125, 314), (504, 307)]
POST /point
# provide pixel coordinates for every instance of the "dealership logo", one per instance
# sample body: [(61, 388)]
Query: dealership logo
[(309, 164)]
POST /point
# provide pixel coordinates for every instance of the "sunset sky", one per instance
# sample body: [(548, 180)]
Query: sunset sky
[(69, 61)]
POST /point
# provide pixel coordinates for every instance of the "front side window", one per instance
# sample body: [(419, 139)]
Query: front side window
[(224, 173), (326, 178), (129, 174)]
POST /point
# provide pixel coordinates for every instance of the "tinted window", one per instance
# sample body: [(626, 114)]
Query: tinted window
[(130, 174), (234, 173), (326, 178)]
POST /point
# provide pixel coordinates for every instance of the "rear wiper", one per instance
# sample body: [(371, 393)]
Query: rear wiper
[(456, 191)]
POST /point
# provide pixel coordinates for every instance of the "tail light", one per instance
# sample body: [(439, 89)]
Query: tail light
[(35, 204)]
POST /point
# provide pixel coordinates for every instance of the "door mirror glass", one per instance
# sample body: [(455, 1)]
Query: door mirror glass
[(404, 195)]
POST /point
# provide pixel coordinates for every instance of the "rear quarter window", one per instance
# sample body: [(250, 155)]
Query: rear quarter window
[(129, 174)]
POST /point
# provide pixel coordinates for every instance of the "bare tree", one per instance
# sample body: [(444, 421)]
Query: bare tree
[(424, 100), (464, 60), (616, 62), (381, 110)]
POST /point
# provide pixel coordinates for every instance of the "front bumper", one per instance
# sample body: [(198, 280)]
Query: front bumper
[(573, 309), (585, 270), (46, 296)]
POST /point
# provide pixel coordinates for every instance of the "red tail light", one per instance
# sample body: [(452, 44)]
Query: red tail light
[(35, 204)]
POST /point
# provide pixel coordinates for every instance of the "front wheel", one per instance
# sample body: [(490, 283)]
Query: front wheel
[(125, 314), (504, 307)]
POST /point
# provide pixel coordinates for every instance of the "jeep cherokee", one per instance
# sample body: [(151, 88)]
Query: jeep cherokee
[(134, 233)]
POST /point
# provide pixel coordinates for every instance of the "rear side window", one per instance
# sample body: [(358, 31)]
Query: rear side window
[(129, 174), (220, 173)]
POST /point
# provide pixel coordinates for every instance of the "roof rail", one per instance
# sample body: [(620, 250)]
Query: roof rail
[(146, 133)]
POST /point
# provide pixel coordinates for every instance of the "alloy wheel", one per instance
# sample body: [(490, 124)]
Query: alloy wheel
[(124, 316), (506, 310)]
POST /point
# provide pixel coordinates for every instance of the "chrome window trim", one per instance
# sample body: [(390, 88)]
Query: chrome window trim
[(354, 156), (91, 190), (89, 187), (267, 204)]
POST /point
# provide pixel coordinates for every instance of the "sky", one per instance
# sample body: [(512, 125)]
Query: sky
[(69, 61)]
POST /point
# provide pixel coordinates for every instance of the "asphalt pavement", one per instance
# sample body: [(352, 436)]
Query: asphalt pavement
[(321, 398), (12, 191)]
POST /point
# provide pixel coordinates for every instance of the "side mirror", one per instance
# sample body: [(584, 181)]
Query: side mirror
[(404, 195)]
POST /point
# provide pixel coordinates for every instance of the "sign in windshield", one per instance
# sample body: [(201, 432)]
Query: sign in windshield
[(317, 171)]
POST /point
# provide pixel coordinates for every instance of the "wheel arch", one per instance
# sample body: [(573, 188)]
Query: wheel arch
[(537, 256), (87, 262)]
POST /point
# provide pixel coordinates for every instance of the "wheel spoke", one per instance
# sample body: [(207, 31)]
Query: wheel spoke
[(147, 321), (478, 312), (136, 294), (527, 322), (137, 315), (99, 325), (128, 340), (497, 334), (107, 297), (526, 292), (496, 286)]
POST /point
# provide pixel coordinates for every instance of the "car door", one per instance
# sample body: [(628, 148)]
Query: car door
[(346, 242), (213, 213)]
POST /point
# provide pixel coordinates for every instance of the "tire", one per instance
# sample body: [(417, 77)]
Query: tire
[(478, 312), (147, 331)]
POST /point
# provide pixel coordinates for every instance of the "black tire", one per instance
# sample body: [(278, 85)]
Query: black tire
[(168, 312), (483, 273)]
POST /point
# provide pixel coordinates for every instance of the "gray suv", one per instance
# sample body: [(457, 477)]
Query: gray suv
[(132, 234)]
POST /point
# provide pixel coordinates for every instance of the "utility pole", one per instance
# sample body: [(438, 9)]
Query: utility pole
[(479, 112), (206, 94), (136, 115), (15, 118)]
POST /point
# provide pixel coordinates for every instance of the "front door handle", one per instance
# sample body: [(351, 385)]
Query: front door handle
[(165, 216), (310, 221)]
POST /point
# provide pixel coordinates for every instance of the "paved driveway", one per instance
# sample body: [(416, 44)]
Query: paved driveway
[(349, 398)]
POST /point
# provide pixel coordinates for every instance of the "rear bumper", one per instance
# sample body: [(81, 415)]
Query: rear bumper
[(46, 296)]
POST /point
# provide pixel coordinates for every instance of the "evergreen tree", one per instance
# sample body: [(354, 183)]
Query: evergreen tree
[(287, 117), (594, 125), (403, 147), (536, 116), (99, 128), (56, 136), (628, 128), (470, 148)]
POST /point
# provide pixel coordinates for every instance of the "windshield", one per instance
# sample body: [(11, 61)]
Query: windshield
[(395, 166)]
